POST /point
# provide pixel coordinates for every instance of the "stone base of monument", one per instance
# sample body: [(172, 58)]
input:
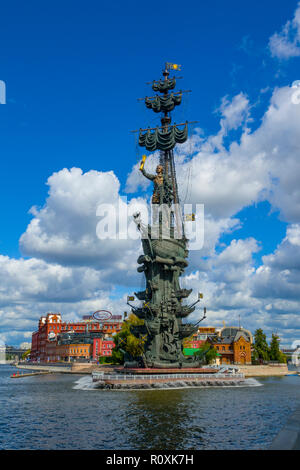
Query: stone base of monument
[(134, 380)]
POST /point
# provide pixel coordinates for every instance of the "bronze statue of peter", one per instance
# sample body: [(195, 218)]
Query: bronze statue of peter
[(162, 191)]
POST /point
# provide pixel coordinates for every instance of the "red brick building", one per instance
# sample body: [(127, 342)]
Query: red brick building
[(234, 345), (102, 347), (45, 340)]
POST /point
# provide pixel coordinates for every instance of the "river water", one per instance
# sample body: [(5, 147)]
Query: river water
[(62, 411)]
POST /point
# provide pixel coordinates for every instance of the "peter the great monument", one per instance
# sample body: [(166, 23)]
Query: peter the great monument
[(161, 331), (164, 243)]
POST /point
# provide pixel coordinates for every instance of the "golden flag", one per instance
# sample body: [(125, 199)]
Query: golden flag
[(173, 66), (190, 217)]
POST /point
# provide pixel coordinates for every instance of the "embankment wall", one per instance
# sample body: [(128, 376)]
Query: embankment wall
[(264, 370)]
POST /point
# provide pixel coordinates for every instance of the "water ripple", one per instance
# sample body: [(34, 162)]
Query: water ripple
[(63, 412)]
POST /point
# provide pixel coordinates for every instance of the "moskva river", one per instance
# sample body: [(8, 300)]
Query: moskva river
[(62, 411)]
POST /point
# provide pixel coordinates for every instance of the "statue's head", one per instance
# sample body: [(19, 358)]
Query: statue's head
[(159, 169)]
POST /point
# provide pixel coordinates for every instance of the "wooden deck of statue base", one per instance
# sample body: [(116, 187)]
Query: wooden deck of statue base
[(135, 379)]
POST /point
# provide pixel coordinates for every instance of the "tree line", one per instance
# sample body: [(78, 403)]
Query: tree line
[(264, 352)]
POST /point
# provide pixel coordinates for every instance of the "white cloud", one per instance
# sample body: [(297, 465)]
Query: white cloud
[(64, 230), (34, 279), (70, 269), (279, 276), (293, 234), (225, 280), (234, 113), (75, 293), (286, 44), (263, 164), (267, 297)]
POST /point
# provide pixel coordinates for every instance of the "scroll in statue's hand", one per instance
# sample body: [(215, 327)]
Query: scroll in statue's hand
[(143, 162)]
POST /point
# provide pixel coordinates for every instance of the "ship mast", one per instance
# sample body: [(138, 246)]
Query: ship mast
[(167, 161), (166, 136), (164, 258), (167, 158)]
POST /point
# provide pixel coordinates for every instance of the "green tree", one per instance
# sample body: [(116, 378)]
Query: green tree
[(275, 353), (207, 352), (261, 348), (26, 353), (126, 341)]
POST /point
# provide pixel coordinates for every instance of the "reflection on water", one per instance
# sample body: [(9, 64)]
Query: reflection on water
[(161, 419), (64, 412)]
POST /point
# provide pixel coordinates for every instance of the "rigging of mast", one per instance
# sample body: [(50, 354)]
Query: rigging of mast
[(165, 137)]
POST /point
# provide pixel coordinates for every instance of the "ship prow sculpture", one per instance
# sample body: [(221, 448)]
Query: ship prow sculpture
[(164, 245)]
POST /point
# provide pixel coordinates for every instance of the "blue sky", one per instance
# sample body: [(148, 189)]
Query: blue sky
[(73, 72)]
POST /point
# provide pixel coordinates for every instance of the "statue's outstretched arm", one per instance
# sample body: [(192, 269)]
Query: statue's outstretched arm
[(147, 175)]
